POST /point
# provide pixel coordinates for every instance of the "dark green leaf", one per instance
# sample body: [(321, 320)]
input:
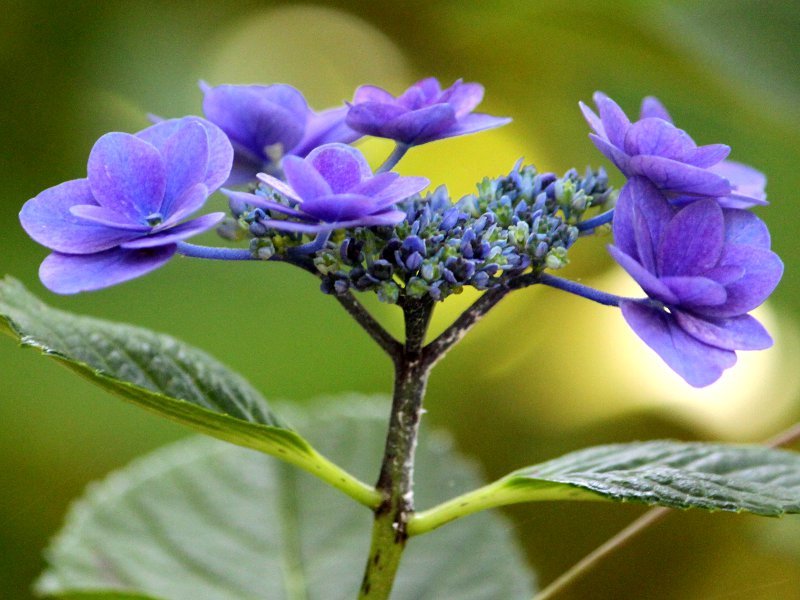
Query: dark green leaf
[(206, 520)]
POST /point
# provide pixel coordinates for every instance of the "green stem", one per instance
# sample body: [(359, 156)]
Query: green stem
[(396, 480), (335, 476)]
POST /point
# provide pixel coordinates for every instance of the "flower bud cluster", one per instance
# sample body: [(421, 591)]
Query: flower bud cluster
[(519, 222)]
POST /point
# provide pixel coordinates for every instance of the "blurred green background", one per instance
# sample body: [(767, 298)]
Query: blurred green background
[(544, 374)]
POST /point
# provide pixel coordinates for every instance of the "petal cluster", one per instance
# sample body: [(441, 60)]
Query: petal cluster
[(421, 114), (654, 148), (704, 267), (124, 219), (266, 122), (331, 188)]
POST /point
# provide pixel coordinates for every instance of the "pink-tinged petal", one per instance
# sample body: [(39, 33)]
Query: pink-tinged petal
[(659, 138), (325, 127), (190, 201), (651, 285), (263, 203), (387, 218), (48, 220), (372, 93), (422, 125), (763, 271), (592, 119), (473, 123), (696, 291), (185, 156), (100, 215), (127, 175), (743, 227), (340, 207), (371, 118), (674, 176), (612, 153), (341, 166), (615, 122), (463, 97), (373, 185), (707, 156), (698, 363), (177, 233), (737, 333), (73, 273), (692, 241), (652, 108), (400, 189), (304, 179), (279, 186)]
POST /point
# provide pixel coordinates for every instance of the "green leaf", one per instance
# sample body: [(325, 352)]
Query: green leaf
[(105, 596), (755, 479), (165, 376), (200, 519)]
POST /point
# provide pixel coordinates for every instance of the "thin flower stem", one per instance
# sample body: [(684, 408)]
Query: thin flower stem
[(399, 152), (396, 480), (589, 225), (652, 516), (212, 253), (374, 329), (573, 287)]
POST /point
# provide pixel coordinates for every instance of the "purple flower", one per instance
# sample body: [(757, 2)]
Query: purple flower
[(122, 221), (654, 148), (333, 188), (704, 268), (423, 113), (266, 122)]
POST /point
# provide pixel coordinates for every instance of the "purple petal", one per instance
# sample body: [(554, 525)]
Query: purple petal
[(373, 185), (326, 127), (100, 215), (127, 175), (736, 200), (473, 123), (651, 285), (612, 153), (640, 216), (696, 291), (615, 122), (748, 184), (304, 179), (177, 233), (737, 333), (658, 138), (185, 156), (263, 203), (463, 97), (698, 363), (707, 156), (624, 216), (743, 227), (279, 186), (191, 201), (73, 273), (725, 275), (340, 207), (652, 108), (422, 125), (400, 189), (341, 166), (421, 94), (594, 121), (692, 241), (258, 116), (372, 93), (372, 118), (674, 176), (48, 220), (763, 271)]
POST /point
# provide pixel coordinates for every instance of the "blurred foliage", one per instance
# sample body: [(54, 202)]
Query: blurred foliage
[(551, 372)]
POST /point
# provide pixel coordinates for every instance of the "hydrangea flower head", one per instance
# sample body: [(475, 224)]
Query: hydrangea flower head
[(704, 267), (423, 113), (333, 188), (654, 148), (123, 219), (266, 122)]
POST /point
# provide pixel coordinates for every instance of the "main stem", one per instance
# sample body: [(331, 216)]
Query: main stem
[(396, 480)]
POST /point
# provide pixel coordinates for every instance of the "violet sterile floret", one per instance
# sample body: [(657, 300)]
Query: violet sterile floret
[(421, 114), (704, 267), (654, 148), (332, 188), (266, 122), (123, 220)]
